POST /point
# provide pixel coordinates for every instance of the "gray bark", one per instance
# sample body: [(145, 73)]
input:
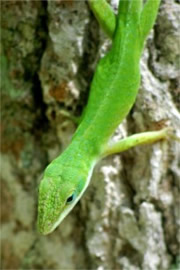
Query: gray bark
[(128, 218)]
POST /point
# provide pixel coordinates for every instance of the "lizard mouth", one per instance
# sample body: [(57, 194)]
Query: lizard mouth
[(46, 227)]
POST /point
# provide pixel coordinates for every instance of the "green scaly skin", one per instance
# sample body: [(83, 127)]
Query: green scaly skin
[(113, 92)]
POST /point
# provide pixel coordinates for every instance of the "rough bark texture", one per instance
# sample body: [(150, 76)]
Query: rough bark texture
[(128, 218)]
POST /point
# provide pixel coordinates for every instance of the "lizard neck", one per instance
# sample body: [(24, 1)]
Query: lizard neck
[(80, 154)]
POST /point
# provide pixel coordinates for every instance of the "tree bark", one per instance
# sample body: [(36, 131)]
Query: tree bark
[(128, 218)]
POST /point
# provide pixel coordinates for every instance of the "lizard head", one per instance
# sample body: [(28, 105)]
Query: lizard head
[(59, 191)]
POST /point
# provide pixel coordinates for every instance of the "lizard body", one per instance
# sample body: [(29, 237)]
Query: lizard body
[(112, 94)]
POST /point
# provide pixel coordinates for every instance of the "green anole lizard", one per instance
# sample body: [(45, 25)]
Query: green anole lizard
[(113, 91)]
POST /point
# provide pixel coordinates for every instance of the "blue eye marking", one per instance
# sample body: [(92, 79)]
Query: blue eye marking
[(71, 198)]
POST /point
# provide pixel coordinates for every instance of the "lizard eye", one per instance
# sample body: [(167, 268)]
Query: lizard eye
[(70, 198)]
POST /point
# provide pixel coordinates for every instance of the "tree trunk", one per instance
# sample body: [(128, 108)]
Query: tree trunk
[(128, 218)]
